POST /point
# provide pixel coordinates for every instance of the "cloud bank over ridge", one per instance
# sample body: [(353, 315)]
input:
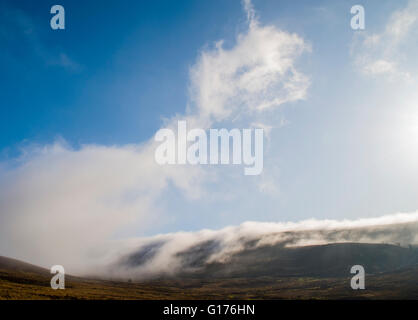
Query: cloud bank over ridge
[(182, 252), (61, 205)]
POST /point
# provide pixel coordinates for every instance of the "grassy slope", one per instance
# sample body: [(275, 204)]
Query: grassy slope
[(23, 281)]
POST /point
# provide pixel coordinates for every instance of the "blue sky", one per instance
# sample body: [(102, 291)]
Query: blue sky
[(123, 54), (131, 67), (346, 150)]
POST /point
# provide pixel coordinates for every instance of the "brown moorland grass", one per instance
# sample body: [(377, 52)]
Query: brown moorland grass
[(27, 284)]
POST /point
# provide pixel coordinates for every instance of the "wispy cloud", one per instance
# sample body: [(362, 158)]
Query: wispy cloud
[(381, 54), (19, 31)]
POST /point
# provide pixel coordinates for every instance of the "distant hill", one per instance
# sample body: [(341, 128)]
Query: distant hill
[(331, 260), (20, 266)]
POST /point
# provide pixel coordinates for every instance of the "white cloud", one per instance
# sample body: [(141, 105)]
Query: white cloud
[(258, 73), (61, 203)]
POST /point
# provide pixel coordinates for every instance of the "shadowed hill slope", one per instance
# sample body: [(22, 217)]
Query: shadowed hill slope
[(20, 266), (332, 260)]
